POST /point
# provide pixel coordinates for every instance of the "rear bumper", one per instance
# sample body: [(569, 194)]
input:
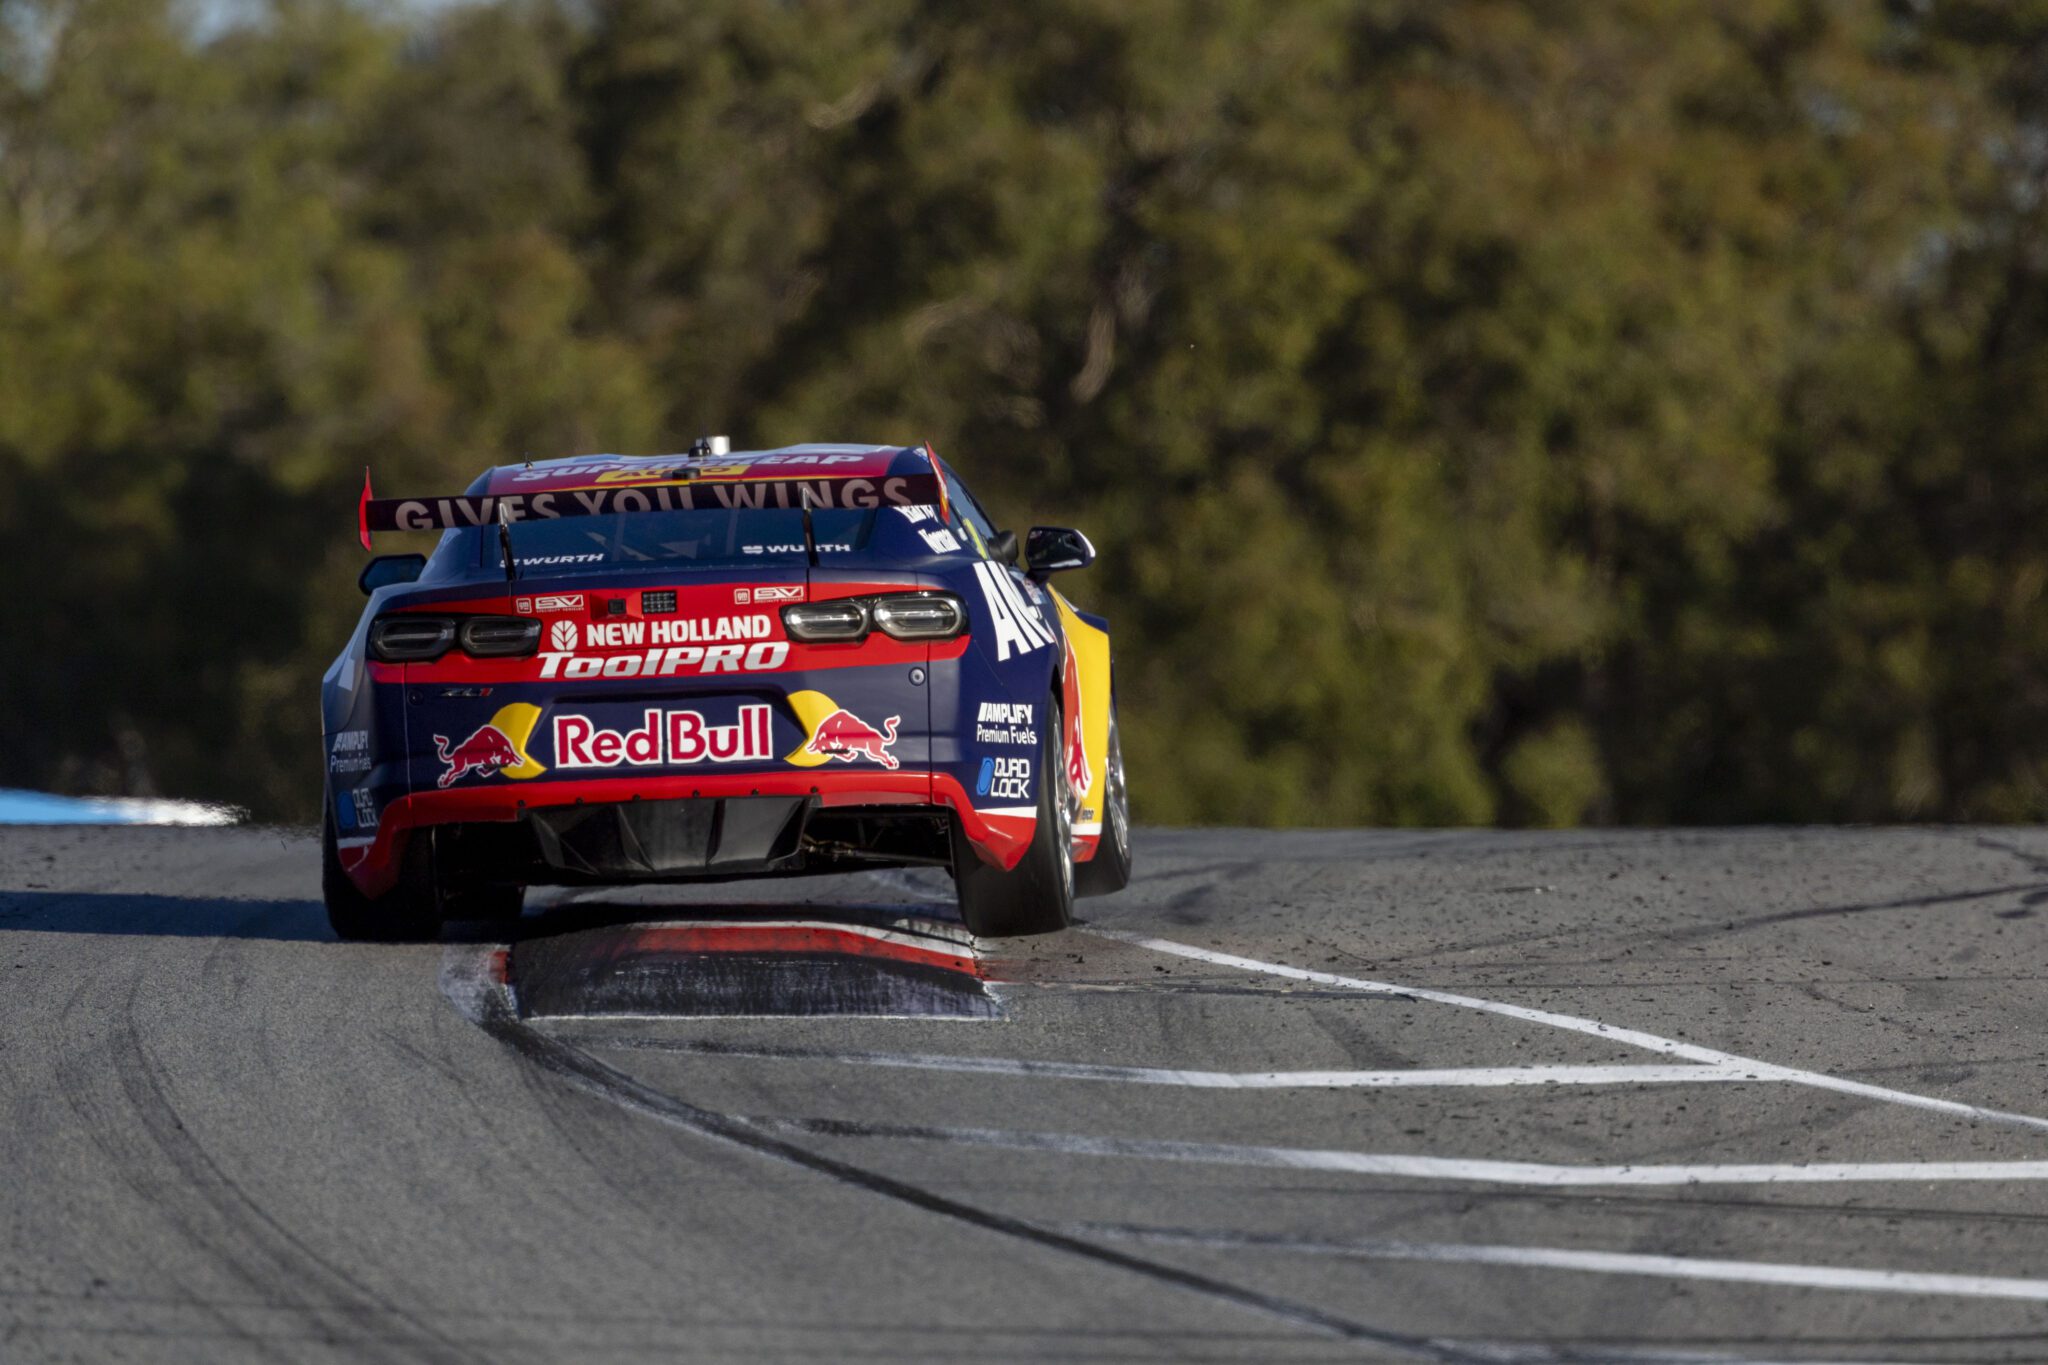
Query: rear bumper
[(998, 837)]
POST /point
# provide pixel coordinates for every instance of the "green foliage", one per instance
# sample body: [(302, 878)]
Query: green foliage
[(1487, 411)]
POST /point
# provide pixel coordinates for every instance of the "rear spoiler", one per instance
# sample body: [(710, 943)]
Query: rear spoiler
[(683, 488)]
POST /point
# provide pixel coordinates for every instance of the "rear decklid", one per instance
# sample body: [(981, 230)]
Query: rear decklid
[(662, 665)]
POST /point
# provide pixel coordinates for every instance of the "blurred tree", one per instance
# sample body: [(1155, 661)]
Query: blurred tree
[(1487, 409)]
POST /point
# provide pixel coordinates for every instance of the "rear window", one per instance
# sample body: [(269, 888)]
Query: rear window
[(721, 539)]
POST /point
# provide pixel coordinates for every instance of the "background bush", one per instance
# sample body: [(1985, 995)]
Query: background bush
[(1533, 412)]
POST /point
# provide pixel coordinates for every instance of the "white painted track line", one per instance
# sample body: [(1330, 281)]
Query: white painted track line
[(1208, 1080), (1671, 1047), (1409, 1167), (1849, 1278)]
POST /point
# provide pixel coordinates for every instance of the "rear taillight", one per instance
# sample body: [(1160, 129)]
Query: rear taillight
[(901, 615), (411, 639), (844, 618), (499, 637), (919, 616)]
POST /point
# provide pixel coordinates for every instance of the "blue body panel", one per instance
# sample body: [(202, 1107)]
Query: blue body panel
[(667, 675)]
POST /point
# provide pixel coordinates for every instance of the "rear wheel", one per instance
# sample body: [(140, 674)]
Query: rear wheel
[(409, 911), (1110, 869), (1037, 895)]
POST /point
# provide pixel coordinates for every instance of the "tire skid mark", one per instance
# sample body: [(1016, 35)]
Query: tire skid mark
[(247, 1241), (477, 986), (79, 1080), (297, 1260)]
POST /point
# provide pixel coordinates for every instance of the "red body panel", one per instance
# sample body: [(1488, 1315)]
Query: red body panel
[(373, 866)]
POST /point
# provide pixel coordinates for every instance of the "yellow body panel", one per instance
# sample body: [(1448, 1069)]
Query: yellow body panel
[(1091, 658), (811, 710), (516, 723)]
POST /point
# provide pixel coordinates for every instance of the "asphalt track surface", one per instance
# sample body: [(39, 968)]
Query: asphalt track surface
[(1720, 1095)]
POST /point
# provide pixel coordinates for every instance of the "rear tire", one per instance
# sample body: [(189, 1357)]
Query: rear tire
[(408, 912), (1037, 895), (1110, 869)]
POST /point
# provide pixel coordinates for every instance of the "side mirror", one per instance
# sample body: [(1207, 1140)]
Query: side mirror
[(1050, 549), (1002, 547), (385, 570)]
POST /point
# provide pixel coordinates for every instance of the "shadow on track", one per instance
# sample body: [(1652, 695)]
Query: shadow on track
[(602, 909), (305, 921), (91, 912)]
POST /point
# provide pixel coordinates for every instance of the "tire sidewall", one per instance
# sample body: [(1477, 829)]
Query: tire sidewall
[(1057, 801), (1110, 869)]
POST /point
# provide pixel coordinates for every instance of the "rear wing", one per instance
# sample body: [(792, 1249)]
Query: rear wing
[(800, 478)]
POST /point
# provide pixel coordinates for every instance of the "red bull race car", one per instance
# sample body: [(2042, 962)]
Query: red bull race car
[(717, 665)]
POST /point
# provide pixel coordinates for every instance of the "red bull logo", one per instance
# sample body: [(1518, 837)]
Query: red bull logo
[(1077, 758), (485, 753), (662, 738), (1078, 776), (846, 737)]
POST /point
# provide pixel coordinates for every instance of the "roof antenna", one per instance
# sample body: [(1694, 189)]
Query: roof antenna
[(505, 539)]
